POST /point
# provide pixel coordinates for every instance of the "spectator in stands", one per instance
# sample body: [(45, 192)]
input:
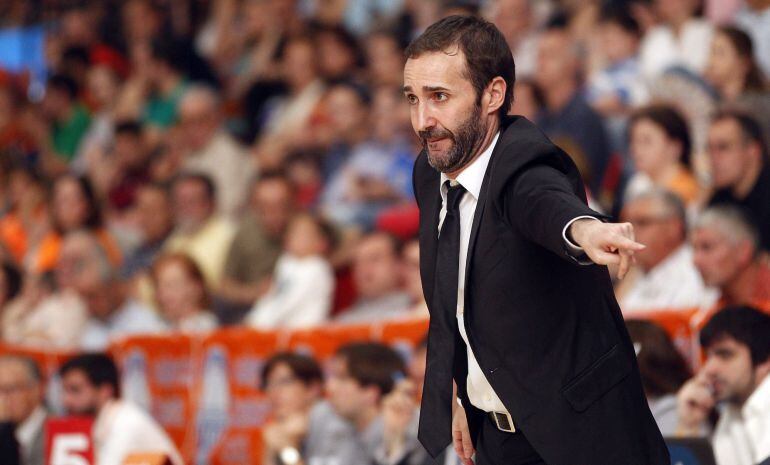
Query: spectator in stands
[(663, 371), (23, 223), (22, 395), (618, 86), (664, 276), (732, 68), (567, 118), (339, 56), (152, 210), (377, 172), (256, 246), (516, 20), (199, 232), (740, 167), (74, 206), (111, 313), (727, 254), (660, 147), (377, 281), (212, 150), (90, 387), (180, 290), (164, 74), (754, 18), (360, 376), (680, 39), (301, 293), (301, 420), (735, 374), (385, 57), (410, 259)]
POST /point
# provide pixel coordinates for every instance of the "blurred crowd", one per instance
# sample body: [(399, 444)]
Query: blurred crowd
[(184, 165)]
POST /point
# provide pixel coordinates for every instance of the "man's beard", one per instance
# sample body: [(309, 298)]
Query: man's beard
[(466, 140)]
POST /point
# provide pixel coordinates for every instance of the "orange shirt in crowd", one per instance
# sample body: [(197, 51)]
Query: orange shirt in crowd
[(685, 186), (50, 248)]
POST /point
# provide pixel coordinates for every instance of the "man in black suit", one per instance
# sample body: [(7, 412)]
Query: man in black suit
[(544, 368)]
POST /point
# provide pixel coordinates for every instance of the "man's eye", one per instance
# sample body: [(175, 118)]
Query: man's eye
[(440, 96), (411, 99)]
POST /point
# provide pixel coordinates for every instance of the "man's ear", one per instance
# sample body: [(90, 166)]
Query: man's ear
[(494, 95)]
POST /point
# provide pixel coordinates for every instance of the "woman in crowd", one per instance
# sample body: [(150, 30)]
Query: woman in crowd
[(180, 291), (660, 149)]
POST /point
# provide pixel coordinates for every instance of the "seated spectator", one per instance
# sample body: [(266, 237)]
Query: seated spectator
[(74, 206), (734, 375), (726, 252), (614, 89), (664, 276), (256, 246), (681, 38), (303, 282), (567, 118), (377, 281), (303, 425), (212, 150), (732, 68), (663, 371), (152, 211), (740, 167), (410, 258), (180, 291), (112, 314), (660, 148), (22, 396), (23, 221), (378, 171), (90, 387), (199, 232)]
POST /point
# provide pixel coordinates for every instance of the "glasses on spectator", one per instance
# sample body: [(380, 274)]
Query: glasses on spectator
[(723, 146)]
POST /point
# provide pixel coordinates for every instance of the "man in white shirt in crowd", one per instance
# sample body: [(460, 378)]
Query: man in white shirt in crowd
[(21, 403), (665, 276), (90, 388), (735, 380)]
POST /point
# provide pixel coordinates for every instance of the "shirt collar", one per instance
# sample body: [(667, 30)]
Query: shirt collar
[(473, 175), (758, 403), (27, 430)]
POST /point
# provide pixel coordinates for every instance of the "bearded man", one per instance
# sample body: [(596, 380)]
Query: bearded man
[(536, 344)]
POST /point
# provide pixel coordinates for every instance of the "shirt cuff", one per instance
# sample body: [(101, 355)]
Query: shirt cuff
[(573, 248)]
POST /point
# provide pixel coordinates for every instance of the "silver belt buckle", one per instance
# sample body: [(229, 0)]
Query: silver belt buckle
[(504, 422)]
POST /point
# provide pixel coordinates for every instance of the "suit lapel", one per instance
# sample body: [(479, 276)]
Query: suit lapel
[(429, 216)]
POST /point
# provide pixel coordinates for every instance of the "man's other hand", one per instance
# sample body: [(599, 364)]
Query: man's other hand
[(606, 243)]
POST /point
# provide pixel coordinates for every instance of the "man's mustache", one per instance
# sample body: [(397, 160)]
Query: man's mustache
[(435, 134)]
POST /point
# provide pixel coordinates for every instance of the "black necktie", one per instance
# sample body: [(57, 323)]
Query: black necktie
[(435, 431)]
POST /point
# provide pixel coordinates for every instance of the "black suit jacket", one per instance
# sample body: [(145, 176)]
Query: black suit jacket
[(546, 331)]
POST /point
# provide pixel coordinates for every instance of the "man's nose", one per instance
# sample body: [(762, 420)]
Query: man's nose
[(425, 118)]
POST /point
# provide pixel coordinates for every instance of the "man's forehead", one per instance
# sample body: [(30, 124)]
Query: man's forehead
[(434, 69)]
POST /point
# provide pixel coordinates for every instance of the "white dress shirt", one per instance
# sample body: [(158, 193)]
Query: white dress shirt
[(30, 428), (742, 435), (480, 392)]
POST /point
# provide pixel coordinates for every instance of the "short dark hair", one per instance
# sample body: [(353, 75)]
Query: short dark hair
[(745, 324), (751, 129), (128, 127), (303, 367), (487, 54), (64, 83), (204, 179), (373, 364), (671, 121), (662, 367), (99, 368), (620, 14)]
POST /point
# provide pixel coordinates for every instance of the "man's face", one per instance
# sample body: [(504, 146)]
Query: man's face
[(191, 204), (153, 213), (345, 394), (729, 153), (654, 227), (729, 370), (556, 59), (287, 393), (80, 397), (273, 203), (445, 112), (199, 119), (718, 260), (20, 394), (375, 267)]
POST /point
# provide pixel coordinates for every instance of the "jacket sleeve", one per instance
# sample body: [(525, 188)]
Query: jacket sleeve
[(540, 202)]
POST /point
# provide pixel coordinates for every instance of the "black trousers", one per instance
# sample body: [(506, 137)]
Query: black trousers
[(495, 447)]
